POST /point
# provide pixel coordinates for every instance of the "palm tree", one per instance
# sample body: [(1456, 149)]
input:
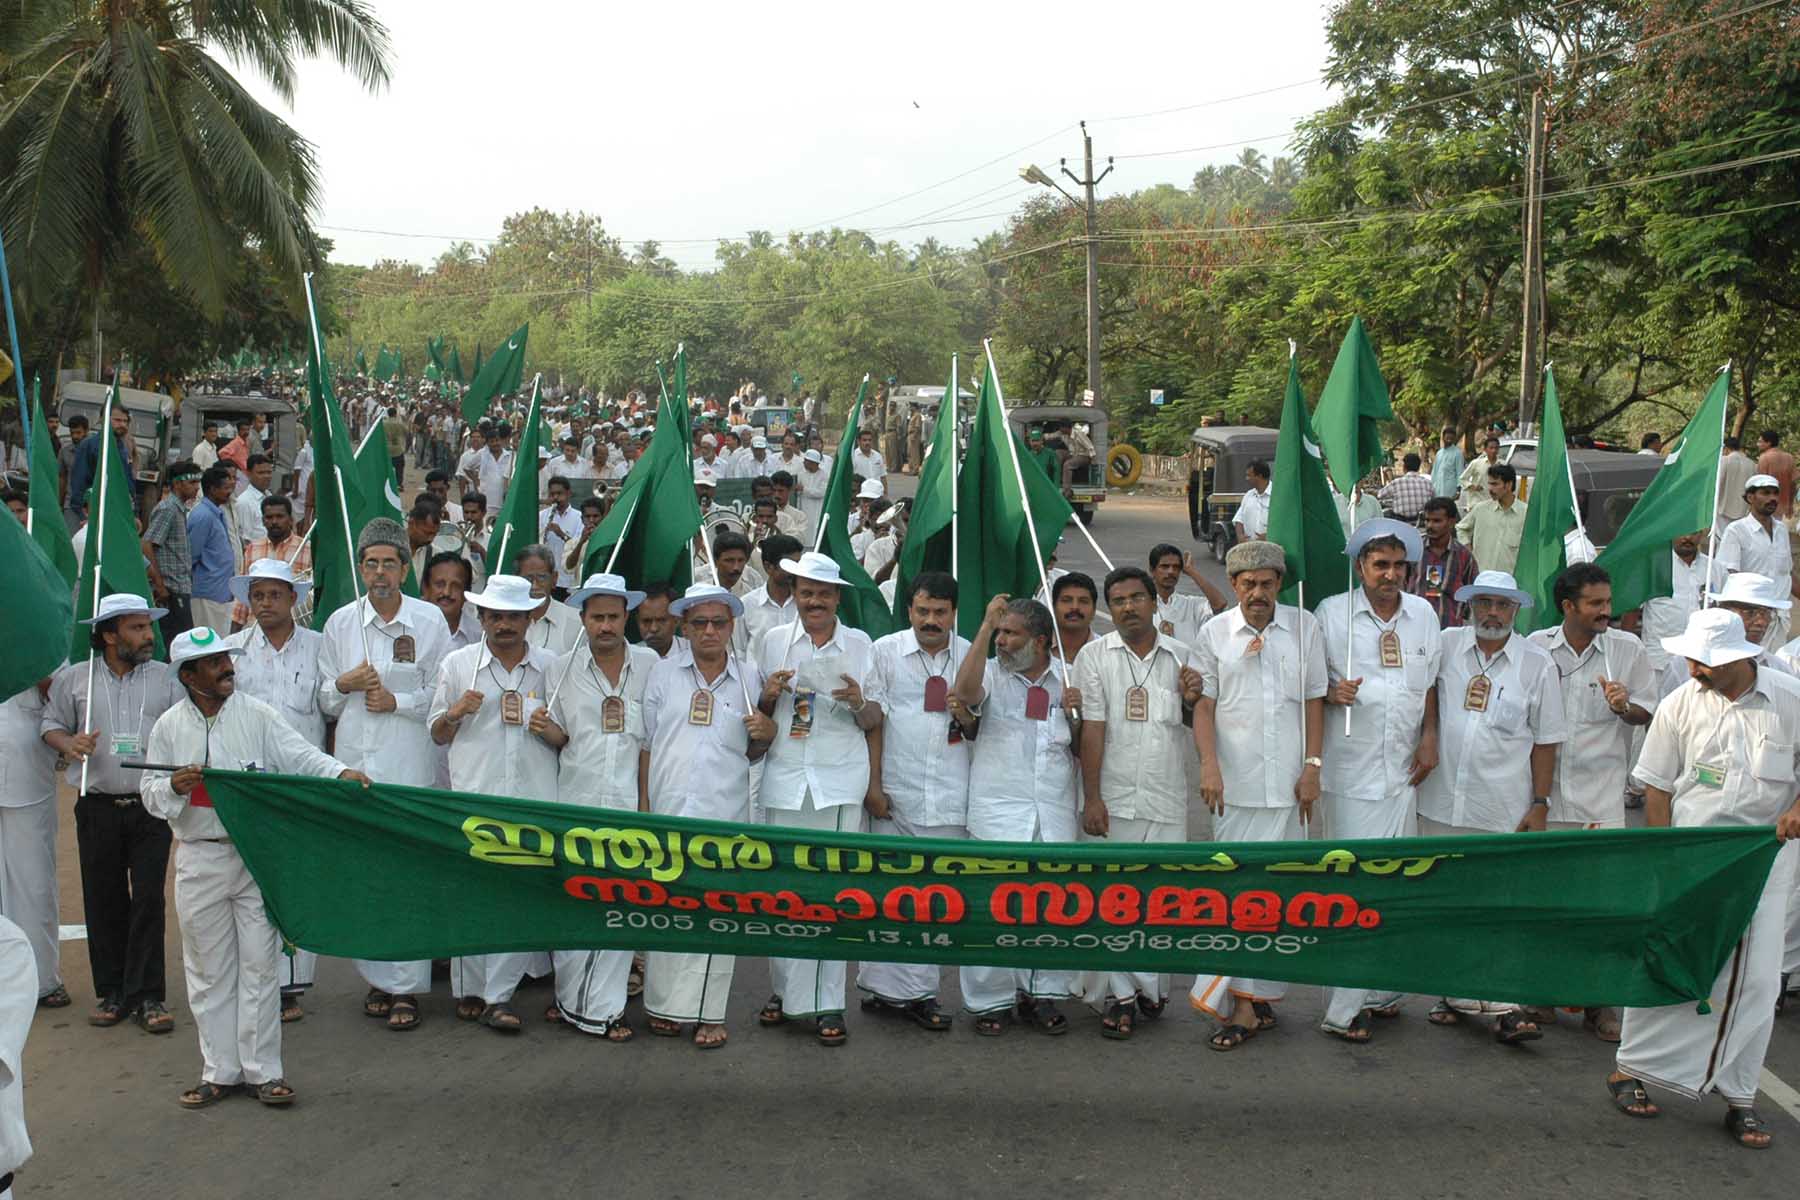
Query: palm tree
[(120, 127)]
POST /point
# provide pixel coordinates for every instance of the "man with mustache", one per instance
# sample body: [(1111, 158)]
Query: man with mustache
[(229, 948), (1500, 721), (1073, 598), (1259, 726), (1721, 751), (924, 785), (1759, 543)]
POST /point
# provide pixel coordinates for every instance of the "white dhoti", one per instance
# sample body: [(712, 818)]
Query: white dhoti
[(1692, 1053), (679, 986), (495, 977), (1790, 957), (1342, 818), (1213, 994), (296, 970), (993, 989), (396, 978), (1487, 1008), (1099, 988), (28, 895), (809, 986), (902, 983), (229, 951), (590, 987)]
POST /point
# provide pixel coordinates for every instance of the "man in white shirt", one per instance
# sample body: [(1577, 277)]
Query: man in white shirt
[(1136, 688), (812, 480), (378, 667), (468, 464), (558, 526), (866, 460), (789, 518), (229, 948), (1721, 751), (700, 741), (1692, 575), (923, 790), (494, 470), (28, 820), (247, 507), (570, 467), (554, 626), (1500, 721), (482, 709), (1375, 759), (1021, 784), (755, 462), (1251, 520), (206, 450), (826, 753), (278, 663), (1758, 542), (19, 985), (1259, 726), (884, 541), (1181, 615), (771, 603)]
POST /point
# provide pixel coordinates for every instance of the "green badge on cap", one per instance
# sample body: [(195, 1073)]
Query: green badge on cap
[(203, 637)]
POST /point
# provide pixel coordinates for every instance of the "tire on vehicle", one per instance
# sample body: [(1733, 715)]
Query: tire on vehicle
[(1124, 466)]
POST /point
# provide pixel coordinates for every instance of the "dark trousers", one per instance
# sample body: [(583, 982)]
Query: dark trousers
[(179, 620), (124, 865), (399, 469)]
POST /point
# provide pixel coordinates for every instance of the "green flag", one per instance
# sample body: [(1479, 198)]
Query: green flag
[(1679, 500), (1549, 516), (1351, 409), (453, 366), (860, 603), (340, 506), (1303, 520), (47, 527), (387, 363), (362, 362), (112, 554), (998, 505), (654, 519), (37, 598), (434, 350), (929, 531), (477, 357), (498, 376), (517, 524)]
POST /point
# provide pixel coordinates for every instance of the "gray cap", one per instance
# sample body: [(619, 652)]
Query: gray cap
[(383, 531), (1255, 556)]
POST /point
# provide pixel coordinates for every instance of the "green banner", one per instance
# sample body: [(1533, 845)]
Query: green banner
[(1633, 917)]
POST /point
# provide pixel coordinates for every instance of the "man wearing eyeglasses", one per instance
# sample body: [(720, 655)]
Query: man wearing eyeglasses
[(554, 625), (387, 646)]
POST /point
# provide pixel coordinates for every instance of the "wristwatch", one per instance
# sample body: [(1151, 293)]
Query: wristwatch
[(1543, 800), (1313, 760)]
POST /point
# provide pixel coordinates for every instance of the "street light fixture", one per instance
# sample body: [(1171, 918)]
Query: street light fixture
[(1033, 174)]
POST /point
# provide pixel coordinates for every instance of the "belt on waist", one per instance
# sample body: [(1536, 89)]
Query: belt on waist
[(219, 841), (118, 799)]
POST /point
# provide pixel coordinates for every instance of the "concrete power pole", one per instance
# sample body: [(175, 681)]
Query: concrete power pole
[(1088, 181), (1533, 262)]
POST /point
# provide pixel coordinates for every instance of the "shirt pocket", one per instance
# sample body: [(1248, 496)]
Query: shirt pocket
[(1507, 716), (1773, 762), (1416, 671), (400, 677)]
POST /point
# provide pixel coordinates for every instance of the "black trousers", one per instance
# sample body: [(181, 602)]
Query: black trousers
[(124, 866), (179, 620)]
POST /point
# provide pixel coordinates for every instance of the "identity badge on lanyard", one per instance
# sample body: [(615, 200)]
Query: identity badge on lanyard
[(1037, 703), (612, 714), (700, 707), (1390, 649), (937, 694), (1476, 698), (404, 648), (127, 745)]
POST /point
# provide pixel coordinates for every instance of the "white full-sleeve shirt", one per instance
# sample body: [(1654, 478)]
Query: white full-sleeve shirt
[(286, 679), (1374, 759), (832, 761), (924, 773), (27, 764), (1260, 699), (390, 747), (600, 768), (488, 754), (699, 770)]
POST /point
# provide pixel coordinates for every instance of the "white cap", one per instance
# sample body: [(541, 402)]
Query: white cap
[(707, 439), (820, 568), (124, 604), (1761, 481), (813, 456), (198, 642), (707, 593), (1747, 587), (705, 477), (1714, 637), (1493, 583), (505, 593), (759, 442), (267, 568), (600, 584), (1387, 527), (871, 490)]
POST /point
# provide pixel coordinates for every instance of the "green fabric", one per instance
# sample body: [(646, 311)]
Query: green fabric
[(47, 527), (860, 603), (434, 350), (112, 548), (1046, 460), (1593, 917), (927, 545), (1303, 520), (1351, 409), (37, 598), (453, 366), (339, 518), (362, 362), (655, 517), (498, 376), (994, 551), (1679, 500), (517, 523), (1549, 516)]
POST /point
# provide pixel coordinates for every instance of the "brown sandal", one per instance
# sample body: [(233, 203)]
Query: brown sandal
[(403, 1014)]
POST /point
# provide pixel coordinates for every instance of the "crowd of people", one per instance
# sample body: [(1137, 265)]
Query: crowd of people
[(1408, 706)]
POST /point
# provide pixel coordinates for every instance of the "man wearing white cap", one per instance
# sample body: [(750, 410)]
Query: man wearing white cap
[(884, 543), (1721, 751), (700, 739), (708, 458), (864, 507), (1757, 600), (1758, 542), (1500, 720), (706, 482), (124, 851), (597, 689), (755, 461), (826, 751), (229, 949), (866, 460), (279, 664), (812, 482), (1382, 651), (1259, 725), (482, 709), (924, 786), (377, 669)]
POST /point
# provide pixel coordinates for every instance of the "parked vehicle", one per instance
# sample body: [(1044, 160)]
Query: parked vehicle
[(1084, 493), (1226, 452), (1608, 483)]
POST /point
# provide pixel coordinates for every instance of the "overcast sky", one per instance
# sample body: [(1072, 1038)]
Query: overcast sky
[(706, 121)]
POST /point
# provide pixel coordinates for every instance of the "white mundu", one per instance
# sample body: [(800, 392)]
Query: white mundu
[(18, 1004), (229, 949), (703, 771), (1598, 750), (1723, 762), (28, 821), (496, 757)]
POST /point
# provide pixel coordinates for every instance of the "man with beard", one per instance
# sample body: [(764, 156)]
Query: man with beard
[(279, 665), (1259, 727), (826, 754), (1500, 721), (924, 786), (1136, 688), (377, 667), (1021, 784), (486, 696), (229, 949), (124, 851), (279, 542), (1073, 598), (1720, 751), (598, 689), (1758, 543), (1372, 767)]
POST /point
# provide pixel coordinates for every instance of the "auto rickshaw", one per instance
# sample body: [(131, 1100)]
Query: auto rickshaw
[(1226, 452)]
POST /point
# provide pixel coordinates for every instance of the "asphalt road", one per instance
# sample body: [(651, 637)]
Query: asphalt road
[(455, 1110)]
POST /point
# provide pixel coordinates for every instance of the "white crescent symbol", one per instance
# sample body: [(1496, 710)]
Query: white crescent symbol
[(393, 497), (512, 345), (1312, 447), (1672, 458)]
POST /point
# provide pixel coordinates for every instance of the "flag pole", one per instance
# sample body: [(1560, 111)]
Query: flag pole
[(1093, 543), (618, 545), (1300, 666), (97, 524), (713, 566), (1012, 452), (1712, 528), (955, 453)]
